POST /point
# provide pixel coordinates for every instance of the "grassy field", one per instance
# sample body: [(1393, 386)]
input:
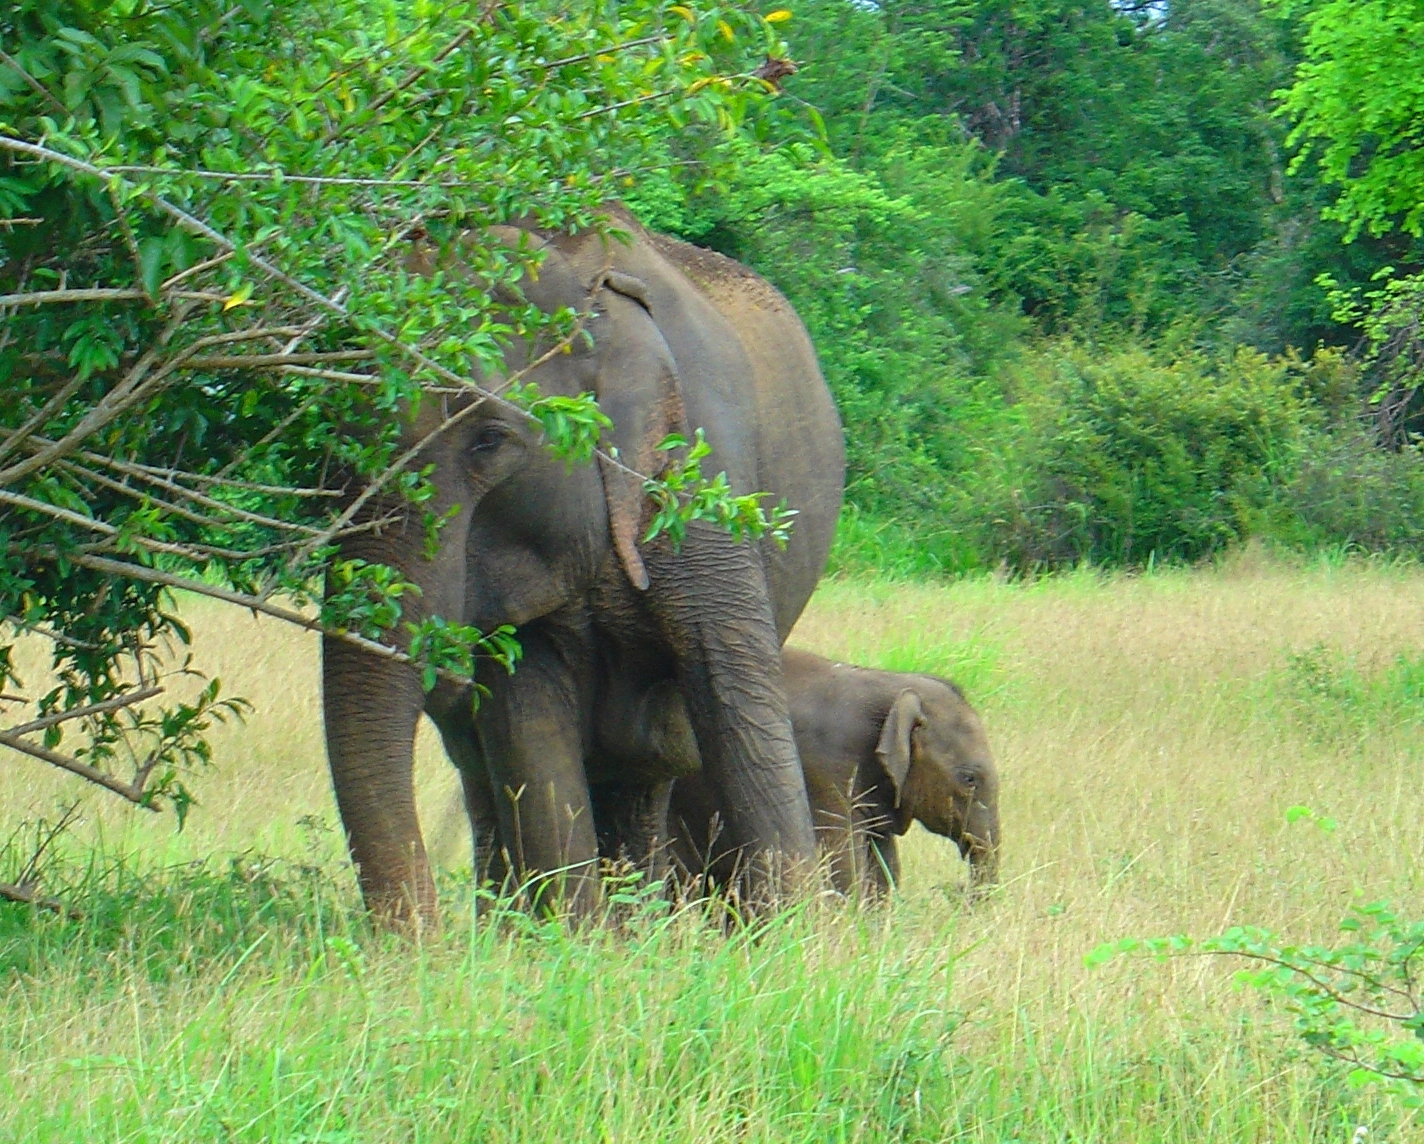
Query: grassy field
[(1152, 733)]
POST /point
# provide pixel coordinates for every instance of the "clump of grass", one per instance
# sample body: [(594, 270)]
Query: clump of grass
[(1334, 695)]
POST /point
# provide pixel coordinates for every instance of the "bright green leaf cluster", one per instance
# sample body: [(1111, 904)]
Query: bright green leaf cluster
[(1358, 105), (682, 494)]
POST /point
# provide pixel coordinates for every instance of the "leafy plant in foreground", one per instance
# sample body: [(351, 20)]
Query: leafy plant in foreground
[(1359, 1002)]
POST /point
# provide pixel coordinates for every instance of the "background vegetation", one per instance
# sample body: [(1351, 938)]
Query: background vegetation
[(1108, 283), (1081, 291)]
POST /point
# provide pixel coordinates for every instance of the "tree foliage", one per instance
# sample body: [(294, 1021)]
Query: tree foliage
[(1027, 203), (1358, 102), (212, 327)]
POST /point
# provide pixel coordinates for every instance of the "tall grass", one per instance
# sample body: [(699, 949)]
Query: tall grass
[(1152, 732)]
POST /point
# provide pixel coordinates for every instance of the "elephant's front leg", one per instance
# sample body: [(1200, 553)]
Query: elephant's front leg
[(371, 710), (533, 733), (454, 716)]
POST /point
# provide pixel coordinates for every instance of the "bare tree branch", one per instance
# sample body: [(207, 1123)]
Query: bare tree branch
[(99, 294), (74, 766), (253, 604), (274, 361)]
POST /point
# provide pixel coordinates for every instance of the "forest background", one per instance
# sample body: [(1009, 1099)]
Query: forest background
[(1076, 287)]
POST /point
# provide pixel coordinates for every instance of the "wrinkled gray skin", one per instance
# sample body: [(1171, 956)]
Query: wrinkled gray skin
[(879, 750), (681, 338)]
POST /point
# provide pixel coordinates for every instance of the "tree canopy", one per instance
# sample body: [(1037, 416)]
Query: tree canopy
[(211, 326)]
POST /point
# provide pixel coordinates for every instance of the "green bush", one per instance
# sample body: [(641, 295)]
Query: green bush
[(1121, 458), (1346, 492)]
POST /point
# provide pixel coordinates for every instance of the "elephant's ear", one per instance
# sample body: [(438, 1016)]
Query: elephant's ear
[(639, 391), (894, 749)]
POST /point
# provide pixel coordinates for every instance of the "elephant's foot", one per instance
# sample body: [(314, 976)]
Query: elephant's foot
[(406, 906)]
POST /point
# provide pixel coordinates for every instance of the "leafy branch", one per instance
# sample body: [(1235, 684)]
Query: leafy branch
[(212, 327), (1358, 1003)]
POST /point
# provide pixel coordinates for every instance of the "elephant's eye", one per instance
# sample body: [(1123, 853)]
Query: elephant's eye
[(487, 438), (968, 779)]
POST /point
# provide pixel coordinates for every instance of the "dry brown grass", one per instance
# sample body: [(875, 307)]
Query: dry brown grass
[(1150, 743)]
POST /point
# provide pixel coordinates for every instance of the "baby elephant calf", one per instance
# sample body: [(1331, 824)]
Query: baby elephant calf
[(879, 750)]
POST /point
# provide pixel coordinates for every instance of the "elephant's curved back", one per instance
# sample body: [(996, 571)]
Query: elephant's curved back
[(800, 446)]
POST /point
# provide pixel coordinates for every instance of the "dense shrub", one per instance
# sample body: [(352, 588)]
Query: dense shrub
[(1347, 492), (1122, 458), (1127, 456)]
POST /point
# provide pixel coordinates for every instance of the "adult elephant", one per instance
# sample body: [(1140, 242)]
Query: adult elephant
[(611, 629)]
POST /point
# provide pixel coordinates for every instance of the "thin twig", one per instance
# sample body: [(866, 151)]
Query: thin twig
[(14, 440), (100, 294), (34, 84), (196, 497), (58, 637), (127, 699), (32, 867), (28, 897), (623, 47), (252, 603), (99, 415), (197, 553), (141, 382), (304, 180), (226, 482), (270, 361), (612, 107), (411, 77)]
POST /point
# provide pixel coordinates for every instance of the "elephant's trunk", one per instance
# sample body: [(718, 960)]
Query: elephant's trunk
[(371, 711), (980, 844), (711, 602)]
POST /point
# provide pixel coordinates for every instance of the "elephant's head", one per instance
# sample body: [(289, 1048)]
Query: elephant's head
[(933, 750), (488, 457)]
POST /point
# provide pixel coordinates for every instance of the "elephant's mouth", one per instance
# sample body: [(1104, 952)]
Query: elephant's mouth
[(981, 851)]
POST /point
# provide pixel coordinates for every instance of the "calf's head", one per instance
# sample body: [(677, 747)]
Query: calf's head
[(933, 750)]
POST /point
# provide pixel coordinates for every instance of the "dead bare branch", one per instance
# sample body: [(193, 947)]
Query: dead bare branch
[(275, 361), (100, 294), (26, 895)]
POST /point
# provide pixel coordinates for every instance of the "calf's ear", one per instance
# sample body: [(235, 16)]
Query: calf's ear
[(893, 750)]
